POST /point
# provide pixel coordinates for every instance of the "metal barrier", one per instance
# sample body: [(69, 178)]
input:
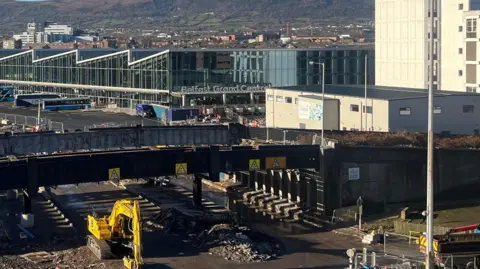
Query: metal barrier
[(413, 235), (24, 120), (376, 260), (401, 246)]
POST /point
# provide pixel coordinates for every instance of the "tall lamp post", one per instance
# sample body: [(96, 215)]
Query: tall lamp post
[(323, 94), (366, 80), (430, 255)]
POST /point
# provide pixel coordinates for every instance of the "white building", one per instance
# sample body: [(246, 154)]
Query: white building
[(402, 45), (50, 32), (388, 109)]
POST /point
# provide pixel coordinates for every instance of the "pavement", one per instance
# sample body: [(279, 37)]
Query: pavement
[(77, 119)]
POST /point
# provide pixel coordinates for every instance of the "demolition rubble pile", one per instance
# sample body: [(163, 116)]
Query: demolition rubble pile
[(228, 241), (232, 243)]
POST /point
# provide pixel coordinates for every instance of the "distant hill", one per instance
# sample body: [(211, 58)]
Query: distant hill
[(192, 14)]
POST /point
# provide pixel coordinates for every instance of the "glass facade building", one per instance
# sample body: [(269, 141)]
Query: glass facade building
[(187, 71)]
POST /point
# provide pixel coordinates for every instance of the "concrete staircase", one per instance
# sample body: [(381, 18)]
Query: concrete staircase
[(274, 206)]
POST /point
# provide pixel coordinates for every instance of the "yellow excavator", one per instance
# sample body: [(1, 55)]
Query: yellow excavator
[(119, 231)]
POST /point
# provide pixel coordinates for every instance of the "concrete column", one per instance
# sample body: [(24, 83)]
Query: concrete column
[(252, 98), (224, 98), (27, 218), (301, 190), (267, 184), (184, 100), (252, 179), (293, 181), (197, 190), (276, 179), (259, 181), (311, 193), (285, 179)]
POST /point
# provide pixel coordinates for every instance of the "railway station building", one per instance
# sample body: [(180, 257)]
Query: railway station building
[(181, 77)]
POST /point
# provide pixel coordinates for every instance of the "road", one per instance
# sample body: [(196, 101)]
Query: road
[(76, 119)]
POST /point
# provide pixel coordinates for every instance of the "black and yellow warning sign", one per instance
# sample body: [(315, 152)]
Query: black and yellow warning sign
[(254, 164), (181, 169), (114, 174), (275, 163)]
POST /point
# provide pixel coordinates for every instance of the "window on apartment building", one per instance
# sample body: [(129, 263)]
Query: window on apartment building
[(270, 97), (471, 28), (468, 108), (354, 108), (369, 109), (437, 110), (460, 50), (288, 100), (460, 6), (279, 99), (405, 111), (460, 28), (296, 100), (460, 73), (471, 89)]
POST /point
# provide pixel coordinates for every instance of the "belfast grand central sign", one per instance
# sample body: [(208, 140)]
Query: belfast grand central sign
[(215, 89)]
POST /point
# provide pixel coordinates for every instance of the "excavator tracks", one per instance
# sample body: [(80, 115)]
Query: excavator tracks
[(100, 248)]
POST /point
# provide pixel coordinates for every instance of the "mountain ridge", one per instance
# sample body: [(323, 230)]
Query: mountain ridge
[(183, 13)]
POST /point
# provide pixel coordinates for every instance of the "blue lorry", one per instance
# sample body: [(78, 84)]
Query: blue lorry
[(145, 111)]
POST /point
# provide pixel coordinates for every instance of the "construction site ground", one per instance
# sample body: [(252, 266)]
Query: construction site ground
[(301, 246)]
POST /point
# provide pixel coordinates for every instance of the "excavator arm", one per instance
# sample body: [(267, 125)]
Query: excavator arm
[(137, 260), (123, 223)]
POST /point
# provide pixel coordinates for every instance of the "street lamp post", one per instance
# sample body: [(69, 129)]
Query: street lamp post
[(323, 95), (430, 254), (366, 78)]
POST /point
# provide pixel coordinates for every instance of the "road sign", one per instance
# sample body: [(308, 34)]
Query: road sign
[(275, 162), (254, 164), (114, 174), (181, 169)]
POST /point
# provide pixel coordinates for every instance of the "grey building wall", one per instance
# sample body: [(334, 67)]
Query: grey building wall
[(457, 114)]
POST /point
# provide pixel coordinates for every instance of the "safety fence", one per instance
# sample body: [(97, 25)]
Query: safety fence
[(288, 136), (29, 121)]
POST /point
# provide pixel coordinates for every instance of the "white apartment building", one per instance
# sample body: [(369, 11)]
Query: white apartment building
[(471, 51), (402, 43)]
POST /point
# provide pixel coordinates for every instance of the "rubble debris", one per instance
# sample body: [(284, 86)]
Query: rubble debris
[(38, 257), (229, 241), (170, 221), (233, 244)]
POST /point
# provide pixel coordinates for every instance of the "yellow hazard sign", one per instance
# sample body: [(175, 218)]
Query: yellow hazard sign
[(254, 164), (181, 169), (114, 174), (275, 163)]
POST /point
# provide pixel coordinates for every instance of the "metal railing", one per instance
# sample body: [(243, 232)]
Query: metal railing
[(21, 120), (290, 136), (24, 120)]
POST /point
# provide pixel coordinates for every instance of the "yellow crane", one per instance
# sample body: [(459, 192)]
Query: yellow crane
[(122, 229)]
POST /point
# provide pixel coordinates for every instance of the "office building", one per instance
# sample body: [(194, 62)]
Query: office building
[(388, 109)]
